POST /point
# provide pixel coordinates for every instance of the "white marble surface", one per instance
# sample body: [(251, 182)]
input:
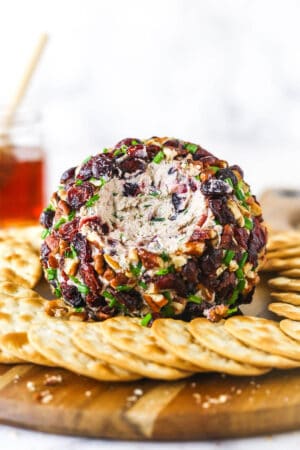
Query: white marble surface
[(222, 73)]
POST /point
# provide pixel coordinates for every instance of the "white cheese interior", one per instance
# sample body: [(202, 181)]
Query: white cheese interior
[(149, 220)]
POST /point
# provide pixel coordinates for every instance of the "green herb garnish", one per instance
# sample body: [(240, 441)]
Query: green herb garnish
[(241, 285), (165, 271), (167, 295), (78, 182), (83, 288), (215, 169), (136, 270), (243, 260), (123, 288), (92, 200), (57, 292), (51, 274), (105, 150), (240, 274), (195, 299), (192, 148), (79, 309), (45, 233), (143, 285), (229, 255), (86, 160), (134, 142), (59, 223), (164, 256), (146, 319), (71, 253), (229, 181), (158, 157), (120, 151), (154, 194), (234, 296), (231, 311), (248, 224), (158, 219), (71, 215)]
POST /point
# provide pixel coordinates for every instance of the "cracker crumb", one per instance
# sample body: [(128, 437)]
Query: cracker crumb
[(16, 378), (52, 380), (31, 386), (197, 397), (132, 398), (138, 392), (239, 391), (193, 384), (88, 393), (44, 396)]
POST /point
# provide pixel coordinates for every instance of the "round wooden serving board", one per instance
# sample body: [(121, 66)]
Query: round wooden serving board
[(204, 406)]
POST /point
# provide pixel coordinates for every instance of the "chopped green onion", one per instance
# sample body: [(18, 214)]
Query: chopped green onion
[(243, 260), (241, 285), (60, 187), (45, 233), (154, 194), (59, 223), (217, 222), (78, 182), (158, 157), (197, 177), (167, 295), (165, 271), (57, 292), (134, 142), (113, 303), (240, 274), (158, 219), (92, 200), (108, 295), (51, 274), (80, 286), (234, 296), (215, 169), (164, 256), (229, 255), (248, 224), (71, 253), (49, 208), (120, 151), (195, 299), (105, 150), (102, 181), (71, 215), (239, 193), (146, 319), (229, 181), (86, 160), (167, 310), (192, 148), (123, 288), (231, 311), (79, 309), (136, 270), (142, 284)]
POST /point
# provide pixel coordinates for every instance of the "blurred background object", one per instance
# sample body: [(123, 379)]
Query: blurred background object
[(224, 74)]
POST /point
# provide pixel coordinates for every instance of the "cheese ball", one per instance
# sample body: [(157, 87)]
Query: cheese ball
[(153, 228)]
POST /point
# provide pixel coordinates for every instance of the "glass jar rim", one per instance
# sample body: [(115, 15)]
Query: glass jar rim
[(24, 116)]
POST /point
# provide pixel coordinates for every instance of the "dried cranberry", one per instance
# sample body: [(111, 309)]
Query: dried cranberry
[(131, 189), (227, 237), (211, 260), (152, 150), (68, 175), (190, 271), (200, 235), (241, 236), (200, 154), (171, 281), (131, 165), (128, 142), (215, 188), (78, 195), (47, 217), (85, 172), (53, 242), (226, 285), (131, 299), (95, 301), (90, 277), (221, 211), (71, 295), (103, 164), (45, 250), (137, 151), (257, 241), (95, 223), (223, 174), (175, 143), (193, 310), (82, 247), (68, 230), (177, 203)]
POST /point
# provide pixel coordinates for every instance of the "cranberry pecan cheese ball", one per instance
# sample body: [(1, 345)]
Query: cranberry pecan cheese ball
[(154, 228)]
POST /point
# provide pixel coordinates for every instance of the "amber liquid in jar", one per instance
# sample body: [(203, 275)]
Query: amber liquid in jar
[(21, 185)]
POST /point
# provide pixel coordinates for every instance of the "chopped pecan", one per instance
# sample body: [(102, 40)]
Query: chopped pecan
[(99, 263), (149, 260)]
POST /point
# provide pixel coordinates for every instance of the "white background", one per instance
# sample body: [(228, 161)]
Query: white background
[(225, 74)]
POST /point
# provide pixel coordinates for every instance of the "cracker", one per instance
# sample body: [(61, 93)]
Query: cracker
[(16, 290), (18, 345), (292, 273), (52, 339), (90, 338), (19, 264), (215, 337), (285, 310), (277, 264), (287, 297), (175, 337), (30, 235), (284, 252), (127, 333), (283, 239), (8, 358), (285, 284), (291, 328), (263, 334)]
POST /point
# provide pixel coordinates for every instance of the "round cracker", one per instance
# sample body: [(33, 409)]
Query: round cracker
[(90, 339), (174, 336), (52, 338), (214, 336), (291, 328), (30, 235), (263, 334), (287, 297), (17, 290), (292, 273), (18, 345), (283, 239), (285, 284), (276, 264), (285, 310), (127, 333), (284, 252)]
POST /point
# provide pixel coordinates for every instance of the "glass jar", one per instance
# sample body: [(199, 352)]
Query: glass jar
[(22, 166)]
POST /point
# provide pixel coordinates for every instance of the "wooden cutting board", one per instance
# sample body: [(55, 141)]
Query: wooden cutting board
[(202, 407)]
